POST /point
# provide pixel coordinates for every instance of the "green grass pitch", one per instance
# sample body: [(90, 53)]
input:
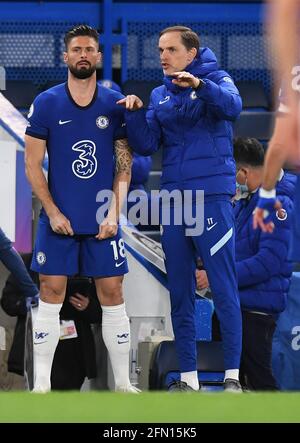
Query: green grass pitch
[(149, 407)]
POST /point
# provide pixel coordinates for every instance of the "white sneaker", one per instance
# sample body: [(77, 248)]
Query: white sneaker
[(130, 389), (39, 389)]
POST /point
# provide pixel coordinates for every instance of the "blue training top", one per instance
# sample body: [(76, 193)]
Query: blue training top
[(80, 146)]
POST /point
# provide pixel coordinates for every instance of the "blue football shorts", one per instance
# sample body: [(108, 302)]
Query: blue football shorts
[(56, 254)]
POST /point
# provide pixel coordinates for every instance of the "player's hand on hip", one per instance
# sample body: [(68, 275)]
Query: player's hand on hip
[(60, 224), (107, 229), (131, 102), (185, 79)]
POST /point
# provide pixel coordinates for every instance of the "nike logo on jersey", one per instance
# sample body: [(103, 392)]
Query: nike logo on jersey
[(61, 122), (167, 98), (212, 226), (119, 264)]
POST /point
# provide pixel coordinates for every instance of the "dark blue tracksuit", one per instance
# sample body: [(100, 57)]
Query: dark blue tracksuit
[(263, 269), (194, 128), (263, 272)]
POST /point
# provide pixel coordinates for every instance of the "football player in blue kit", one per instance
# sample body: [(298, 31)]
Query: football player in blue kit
[(81, 127), (191, 116)]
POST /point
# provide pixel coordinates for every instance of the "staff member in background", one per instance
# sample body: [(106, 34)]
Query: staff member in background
[(263, 269)]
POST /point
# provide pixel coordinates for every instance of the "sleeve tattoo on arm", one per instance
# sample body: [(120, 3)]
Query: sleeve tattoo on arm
[(123, 157)]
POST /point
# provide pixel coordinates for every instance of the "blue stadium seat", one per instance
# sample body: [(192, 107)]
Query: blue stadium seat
[(255, 124), (153, 182), (165, 367), (157, 160), (253, 95)]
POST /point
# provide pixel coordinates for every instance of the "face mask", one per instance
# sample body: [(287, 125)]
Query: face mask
[(242, 191)]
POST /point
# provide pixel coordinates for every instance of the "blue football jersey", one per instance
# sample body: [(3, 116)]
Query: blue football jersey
[(80, 146)]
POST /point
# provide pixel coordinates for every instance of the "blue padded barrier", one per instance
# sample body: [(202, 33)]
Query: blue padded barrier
[(286, 341)]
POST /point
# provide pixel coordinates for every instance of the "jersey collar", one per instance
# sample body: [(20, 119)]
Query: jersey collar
[(76, 104)]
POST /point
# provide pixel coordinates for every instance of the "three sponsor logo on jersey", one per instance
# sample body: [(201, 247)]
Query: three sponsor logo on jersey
[(85, 166)]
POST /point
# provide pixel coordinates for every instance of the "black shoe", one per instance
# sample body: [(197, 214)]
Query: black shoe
[(180, 386), (232, 385)]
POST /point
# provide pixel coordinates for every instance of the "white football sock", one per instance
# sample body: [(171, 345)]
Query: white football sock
[(232, 373), (46, 332), (116, 336), (191, 379)]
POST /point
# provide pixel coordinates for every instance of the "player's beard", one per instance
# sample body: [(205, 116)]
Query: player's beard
[(82, 72)]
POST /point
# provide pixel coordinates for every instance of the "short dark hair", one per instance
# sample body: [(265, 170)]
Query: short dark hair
[(189, 38), (80, 30), (248, 152)]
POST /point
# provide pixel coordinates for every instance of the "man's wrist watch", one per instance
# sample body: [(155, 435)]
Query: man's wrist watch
[(201, 84)]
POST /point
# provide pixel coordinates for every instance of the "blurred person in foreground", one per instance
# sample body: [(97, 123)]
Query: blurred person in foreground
[(284, 147)]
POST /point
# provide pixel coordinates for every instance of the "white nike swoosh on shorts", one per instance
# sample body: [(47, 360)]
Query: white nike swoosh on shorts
[(119, 264)]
